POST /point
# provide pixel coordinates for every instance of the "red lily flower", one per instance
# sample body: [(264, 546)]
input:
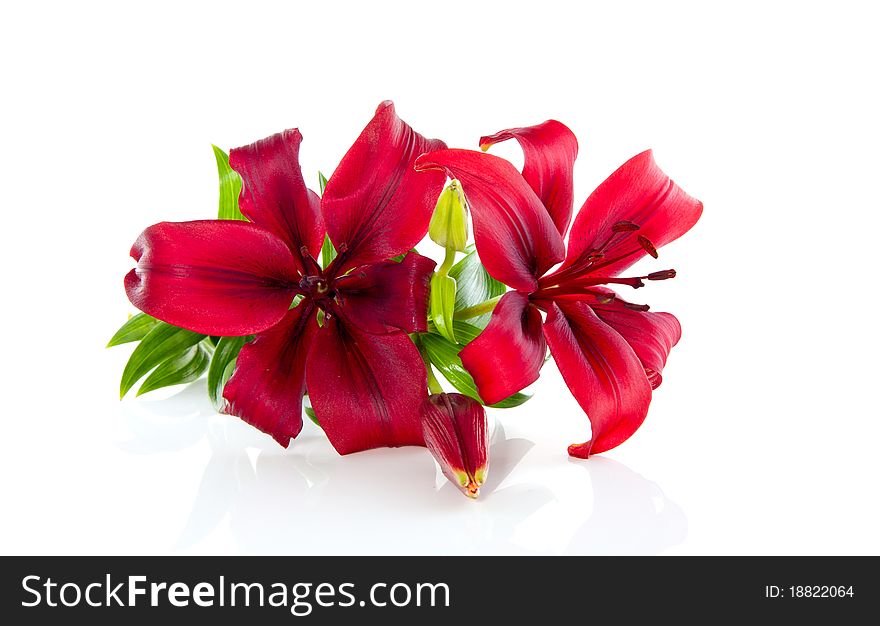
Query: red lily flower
[(610, 352), (220, 277)]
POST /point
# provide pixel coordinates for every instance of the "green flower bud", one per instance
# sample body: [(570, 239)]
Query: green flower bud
[(449, 226)]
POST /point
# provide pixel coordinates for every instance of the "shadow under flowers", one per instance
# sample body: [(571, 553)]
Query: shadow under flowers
[(308, 500), (631, 515)]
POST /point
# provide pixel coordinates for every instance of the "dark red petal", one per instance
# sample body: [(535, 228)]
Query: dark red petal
[(387, 296), (507, 356), (267, 387), (514, 234), (366, 389), (638, 192), (651, 335), (455, 431), (549, 150), (602, 372), (215, 277), (375, 204), (274, 194)]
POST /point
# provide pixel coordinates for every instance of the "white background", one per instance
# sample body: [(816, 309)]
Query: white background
[(764, 435)]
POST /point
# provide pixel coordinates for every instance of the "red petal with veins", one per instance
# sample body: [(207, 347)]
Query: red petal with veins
[(365, 388), (375, 205), (516, 238), (455, 431), (269, 382), (274, 194), (651, 335), (217, 277), (549, 150), (603, 373), (387, 296), (507, 356), (638, 192)]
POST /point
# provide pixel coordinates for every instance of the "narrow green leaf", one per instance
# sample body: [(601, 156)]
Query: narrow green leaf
[(222, 366), (328, 252), (162, 343), (442, 306), (185, 368), (474, 285), (310, 412), (134, 329), (400, 257), (443, 354), (230, 188)]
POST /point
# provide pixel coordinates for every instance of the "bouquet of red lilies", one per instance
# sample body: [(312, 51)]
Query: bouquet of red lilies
[(292, 295)]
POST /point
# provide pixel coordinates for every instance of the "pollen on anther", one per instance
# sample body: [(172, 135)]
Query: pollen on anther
[(661, 275), (647, 245)]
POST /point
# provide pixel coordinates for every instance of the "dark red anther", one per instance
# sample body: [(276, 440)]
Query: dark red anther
[(604, 298), (636, 307), (661, 275), (595, 255), (312, 266), (624, 226), (647, 246)]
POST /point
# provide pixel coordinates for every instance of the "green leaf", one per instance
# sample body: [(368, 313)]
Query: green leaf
[(401, 257), (310, 412), (443, 354), (328, 252), (230, 188), (442, 305), (185, 368), (162, 343), (134, 329), (222, 366), (474, 285)]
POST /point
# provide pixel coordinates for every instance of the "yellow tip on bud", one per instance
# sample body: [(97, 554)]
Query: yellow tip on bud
[(485, 146), (449, 224)]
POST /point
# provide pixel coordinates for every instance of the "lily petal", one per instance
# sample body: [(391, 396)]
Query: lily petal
[(455, 431), (274, 194), (387, 296), (508, 355), (651, 335), (602, 372), (215, 277), (513, 232), (269, 381), (640, 193), (366, 388), (550, 150), (375, 206)]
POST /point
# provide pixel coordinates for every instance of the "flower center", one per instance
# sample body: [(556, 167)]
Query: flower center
[(580, 278), (314, 285)]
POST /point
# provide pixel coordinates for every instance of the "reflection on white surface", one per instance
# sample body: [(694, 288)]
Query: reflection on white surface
[(254, 497)]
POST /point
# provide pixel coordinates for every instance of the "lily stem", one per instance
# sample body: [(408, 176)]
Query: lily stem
[(448, 262), (477, 310), (433, 384)]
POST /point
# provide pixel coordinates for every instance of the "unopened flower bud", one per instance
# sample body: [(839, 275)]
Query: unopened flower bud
[(449, 225), (455, 430)]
